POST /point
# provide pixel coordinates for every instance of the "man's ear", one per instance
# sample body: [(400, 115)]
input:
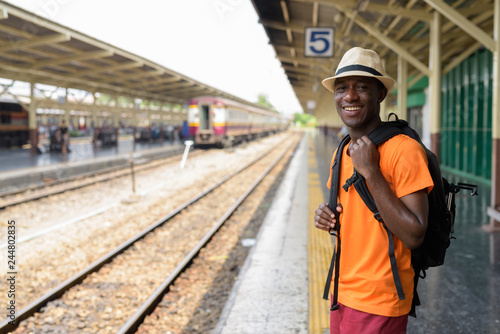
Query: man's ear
[(382, 93)]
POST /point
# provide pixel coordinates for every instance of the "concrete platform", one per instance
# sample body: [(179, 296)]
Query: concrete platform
[(271, 293), (277, 289), (20, 168)]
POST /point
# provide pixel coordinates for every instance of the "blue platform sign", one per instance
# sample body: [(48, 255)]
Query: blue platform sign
[(318, 42)]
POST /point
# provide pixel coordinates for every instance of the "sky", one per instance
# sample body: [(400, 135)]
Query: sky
[(217, 42)]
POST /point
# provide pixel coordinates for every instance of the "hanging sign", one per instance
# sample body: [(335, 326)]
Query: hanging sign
[(318, 42)]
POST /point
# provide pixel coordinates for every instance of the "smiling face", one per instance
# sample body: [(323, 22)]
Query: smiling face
[(358, 99)]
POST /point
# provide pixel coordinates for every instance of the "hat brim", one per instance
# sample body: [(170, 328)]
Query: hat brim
[(330, 82)]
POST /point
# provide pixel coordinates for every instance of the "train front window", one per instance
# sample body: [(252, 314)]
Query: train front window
[(5, 119), (205, 118)]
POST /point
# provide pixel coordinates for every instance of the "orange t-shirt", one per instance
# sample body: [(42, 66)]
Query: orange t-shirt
[(366, 282)]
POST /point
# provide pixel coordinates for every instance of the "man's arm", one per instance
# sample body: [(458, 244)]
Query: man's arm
[(406, 217)]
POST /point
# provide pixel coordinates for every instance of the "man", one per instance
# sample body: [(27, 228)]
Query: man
[(398, 178)]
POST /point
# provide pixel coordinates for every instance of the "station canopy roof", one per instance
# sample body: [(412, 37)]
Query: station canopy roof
[(390, 27), (34, 49)]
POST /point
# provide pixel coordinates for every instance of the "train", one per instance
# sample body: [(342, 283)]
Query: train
[(14, 130), (221, 122)]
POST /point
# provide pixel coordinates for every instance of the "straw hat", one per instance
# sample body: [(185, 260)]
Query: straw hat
[(360, 62)]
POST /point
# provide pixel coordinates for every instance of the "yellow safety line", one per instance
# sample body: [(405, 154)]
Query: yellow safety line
[(320, 251)]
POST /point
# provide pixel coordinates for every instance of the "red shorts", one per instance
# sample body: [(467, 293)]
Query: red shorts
[(346, 320)]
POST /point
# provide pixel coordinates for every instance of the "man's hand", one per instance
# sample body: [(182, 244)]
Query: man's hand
[(406, 217), (365, 156), (324, 218)]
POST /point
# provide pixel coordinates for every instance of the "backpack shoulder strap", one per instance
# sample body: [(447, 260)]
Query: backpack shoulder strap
[(332, 204), (386, 131), (334, 184), (381, 134)]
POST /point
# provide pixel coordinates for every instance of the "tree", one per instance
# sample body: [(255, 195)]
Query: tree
[(264, 102), (304, 120)]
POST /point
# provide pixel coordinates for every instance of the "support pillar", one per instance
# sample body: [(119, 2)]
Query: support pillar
[(383, 105), (494, 210), (402, 88), (435, 82), (95, 130), (67, 119), (161, 125), (136, 110), (66, 123), (32, 126), (116, 125), (115, 121)]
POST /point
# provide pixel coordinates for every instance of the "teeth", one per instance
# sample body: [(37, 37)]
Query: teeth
[(352, 108)]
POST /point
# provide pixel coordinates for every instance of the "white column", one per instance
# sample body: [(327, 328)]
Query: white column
[(402, 88), (435, 81)]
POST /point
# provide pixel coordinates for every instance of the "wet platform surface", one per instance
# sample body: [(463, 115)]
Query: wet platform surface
[(20, 168), (80, 150), (463, 295)]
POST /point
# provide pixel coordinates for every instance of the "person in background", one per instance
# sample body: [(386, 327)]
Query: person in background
[(64, 138)]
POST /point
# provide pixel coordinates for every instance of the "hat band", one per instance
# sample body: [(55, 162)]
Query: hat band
[(359, 68)]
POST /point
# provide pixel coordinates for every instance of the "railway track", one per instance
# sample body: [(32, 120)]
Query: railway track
[(59, 186), (140, 263)]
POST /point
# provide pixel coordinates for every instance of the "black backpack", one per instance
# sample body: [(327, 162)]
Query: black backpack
[(440, 221)]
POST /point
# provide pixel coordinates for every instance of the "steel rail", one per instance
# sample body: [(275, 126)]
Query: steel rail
[(98, 173), (9, 325), (154, 299)]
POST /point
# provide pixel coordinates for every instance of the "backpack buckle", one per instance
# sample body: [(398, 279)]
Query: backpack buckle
[(350, 181), (378, 217)]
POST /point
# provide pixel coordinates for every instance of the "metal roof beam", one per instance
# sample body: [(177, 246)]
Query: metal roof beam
[(16, 57), (393, 10), (315, 14), (30, 75), (73, 58), (154, 81), (411, 23), (480, 12), (281, 26), (299, 70), (461, 21), (23, 44), (308, 96), (294, 27), (398, 11), (393, 45), (307, 82), (177, 85), (289, 48), (189, 86), (289, 35), (305, 62), (119, 67), (69, 64)]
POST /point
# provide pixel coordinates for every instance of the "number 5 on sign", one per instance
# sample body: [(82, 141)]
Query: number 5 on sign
[(319, 42)]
